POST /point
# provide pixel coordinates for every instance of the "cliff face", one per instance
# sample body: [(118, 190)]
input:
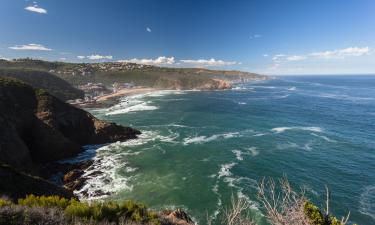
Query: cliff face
[(16, 184), (36, 127)]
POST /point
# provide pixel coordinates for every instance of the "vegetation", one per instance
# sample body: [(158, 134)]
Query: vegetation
[(58, 210), (108, 73), (44, 80), (282, 206)]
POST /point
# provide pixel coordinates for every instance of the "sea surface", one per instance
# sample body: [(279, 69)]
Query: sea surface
[(198, 148)]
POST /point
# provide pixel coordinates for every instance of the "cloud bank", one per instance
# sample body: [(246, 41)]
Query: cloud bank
[(161, 60), (207, 62), (32, 47)]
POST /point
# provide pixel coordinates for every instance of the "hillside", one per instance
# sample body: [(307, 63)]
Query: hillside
[(44, 80), (142, 75), (36, 127)]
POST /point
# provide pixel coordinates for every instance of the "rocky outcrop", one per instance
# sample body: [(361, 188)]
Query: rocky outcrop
[(36, 127), (16, 184), (175, 217)]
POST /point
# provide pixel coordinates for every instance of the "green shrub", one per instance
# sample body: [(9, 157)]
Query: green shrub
[(44, 201), (91, 213), (78, 209), (4, 202), (316, 217)]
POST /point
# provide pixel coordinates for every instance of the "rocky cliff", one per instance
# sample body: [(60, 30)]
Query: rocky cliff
[(36, 127)]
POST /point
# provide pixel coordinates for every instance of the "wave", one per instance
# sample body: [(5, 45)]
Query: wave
[(102, 178), (259, 134), (281, 96), (324, 138), (367, 201), (307, 146), (242, 103), (238, 154), (139, 107), (205, 139), (283, 129), (253, 151), (225, 169), (292, 89)]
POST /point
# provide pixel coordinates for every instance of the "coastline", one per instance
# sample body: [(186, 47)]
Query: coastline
[(111, 99)]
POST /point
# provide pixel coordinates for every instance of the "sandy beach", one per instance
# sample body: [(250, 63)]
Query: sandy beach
[(112, 98), (125, 92)]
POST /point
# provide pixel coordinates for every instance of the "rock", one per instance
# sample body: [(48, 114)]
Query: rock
[(16, 184), (176, 217), (38, 128), (72, 175)]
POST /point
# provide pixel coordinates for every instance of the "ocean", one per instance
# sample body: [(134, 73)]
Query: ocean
[(198, 148)]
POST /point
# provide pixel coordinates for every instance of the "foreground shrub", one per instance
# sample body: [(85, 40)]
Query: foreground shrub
[(285, 206), (44, 201), (50, 210), (5, 202)]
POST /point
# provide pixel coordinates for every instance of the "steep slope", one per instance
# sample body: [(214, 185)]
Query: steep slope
[(16, 184), (40, 79), (36, 127)]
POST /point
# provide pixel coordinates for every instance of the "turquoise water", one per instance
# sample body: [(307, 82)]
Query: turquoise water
[(199, 148)]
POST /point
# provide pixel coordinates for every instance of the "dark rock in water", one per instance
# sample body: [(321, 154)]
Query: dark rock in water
[(176, 217), (16, 184), (72, 175), (100, 193), (76, 184)]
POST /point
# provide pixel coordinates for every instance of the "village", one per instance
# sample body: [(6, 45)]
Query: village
[(84, 69)]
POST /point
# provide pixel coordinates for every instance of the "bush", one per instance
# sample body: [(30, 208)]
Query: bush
[(78, 209), (5, 202), (43, 201)]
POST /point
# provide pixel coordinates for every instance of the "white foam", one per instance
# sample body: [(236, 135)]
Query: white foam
[(259, 134), (292, 88), (324, 137), (205, 139), (253, 151), (367, 201), (139, 107), (225, 169), (242, 103), (108, 160), (238, 154), (286, 146), (283, 129)]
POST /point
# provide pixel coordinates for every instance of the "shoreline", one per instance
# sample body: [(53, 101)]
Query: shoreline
[(111, 99)]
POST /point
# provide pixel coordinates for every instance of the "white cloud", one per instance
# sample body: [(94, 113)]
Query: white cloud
[(265, 55), (63, 59), (148, 29), (342, 53), (207, 62), (296, 58), (161, 60), (278, 57), (33, 47), (98, 57), (81, 57), (4, 58), (35, 8), (255, 36)]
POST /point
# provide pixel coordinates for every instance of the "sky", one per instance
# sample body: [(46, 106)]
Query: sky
[(274, 37)]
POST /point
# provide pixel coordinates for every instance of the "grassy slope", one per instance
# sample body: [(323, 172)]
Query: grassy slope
[(44, 80), (161, 77)]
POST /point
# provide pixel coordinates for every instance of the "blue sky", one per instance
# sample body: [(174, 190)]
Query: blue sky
[(265, 36)]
